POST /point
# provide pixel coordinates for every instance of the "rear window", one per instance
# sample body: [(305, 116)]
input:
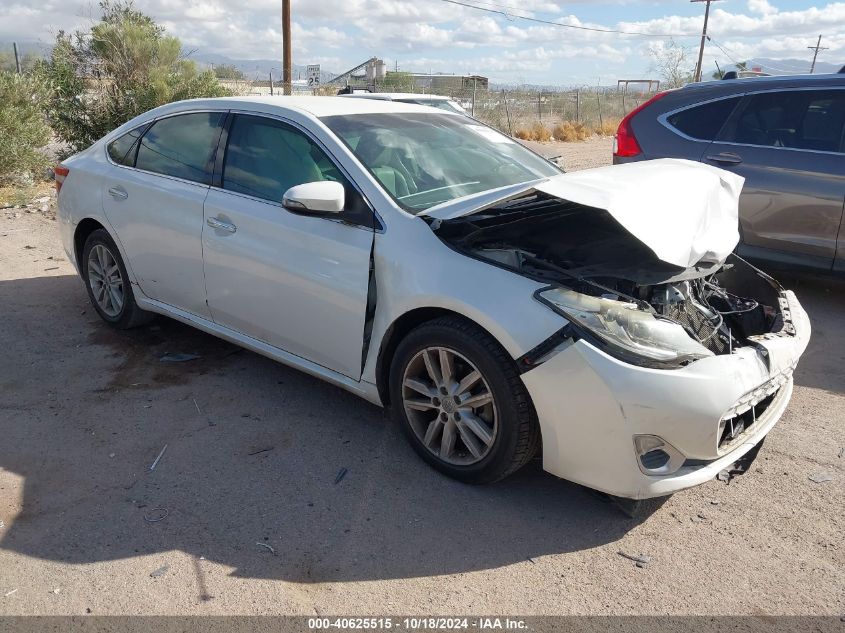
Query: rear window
[(122, 149), (181, 146), (704, 122)]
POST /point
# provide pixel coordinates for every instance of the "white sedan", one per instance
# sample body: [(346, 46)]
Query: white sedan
[(431, 265), (435, 101)]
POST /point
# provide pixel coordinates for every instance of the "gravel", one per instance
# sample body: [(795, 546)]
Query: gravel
[(394, 538)]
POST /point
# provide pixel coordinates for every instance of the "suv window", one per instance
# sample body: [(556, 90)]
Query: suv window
[(181, 146), (704, 122), (265, 158), (800, 119), (122, 149)]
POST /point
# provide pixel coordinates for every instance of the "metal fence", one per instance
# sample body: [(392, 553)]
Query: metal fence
[(513, 110), (598, 110)]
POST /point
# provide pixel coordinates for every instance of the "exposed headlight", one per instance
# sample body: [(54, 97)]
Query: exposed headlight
[(626, 329)]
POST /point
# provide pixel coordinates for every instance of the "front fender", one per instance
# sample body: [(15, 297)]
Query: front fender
[(432, 275)]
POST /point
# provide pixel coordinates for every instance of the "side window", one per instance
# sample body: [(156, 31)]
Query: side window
[(265, 158), (704, 122), (181, 146), (122, 149), (798, 119), (824, 121)]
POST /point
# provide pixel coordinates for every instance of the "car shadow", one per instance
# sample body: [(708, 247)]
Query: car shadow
[(256, 466)]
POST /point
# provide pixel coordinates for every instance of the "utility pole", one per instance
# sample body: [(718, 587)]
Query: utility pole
[(697, 76), (818, 47), (286, 54), (17, 58)]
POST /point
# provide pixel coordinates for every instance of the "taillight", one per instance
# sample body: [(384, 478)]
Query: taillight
[(60, 174), (625, 143)]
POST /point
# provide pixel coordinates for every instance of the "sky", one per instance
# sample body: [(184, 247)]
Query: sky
[(438, 36)]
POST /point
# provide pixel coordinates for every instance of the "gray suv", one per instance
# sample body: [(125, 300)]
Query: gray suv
[(784, 135)]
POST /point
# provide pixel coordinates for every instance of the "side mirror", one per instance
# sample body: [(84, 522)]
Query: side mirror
[(325, 196)]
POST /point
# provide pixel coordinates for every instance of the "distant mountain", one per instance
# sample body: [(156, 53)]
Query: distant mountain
[(256, 68), (41, 49), (794, 66), (252, 68)]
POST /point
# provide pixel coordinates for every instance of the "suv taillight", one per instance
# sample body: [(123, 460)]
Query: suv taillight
[(60, 173), (625, 143)]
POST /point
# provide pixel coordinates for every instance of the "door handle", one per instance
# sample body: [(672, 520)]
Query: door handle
[(221, 225), (725, 157), (118, 193)]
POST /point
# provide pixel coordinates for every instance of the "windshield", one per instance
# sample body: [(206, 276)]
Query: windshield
[(425, 159)]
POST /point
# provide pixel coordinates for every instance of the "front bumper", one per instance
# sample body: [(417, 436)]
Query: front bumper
[(591, 405)]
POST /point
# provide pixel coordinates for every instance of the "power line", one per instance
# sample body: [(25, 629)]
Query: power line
[(737, 63), (723, 49), (503, 12)]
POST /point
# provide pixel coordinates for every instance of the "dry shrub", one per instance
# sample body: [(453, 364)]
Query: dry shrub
[(569, 131), (608, 127), (534, 132), (540, 132)]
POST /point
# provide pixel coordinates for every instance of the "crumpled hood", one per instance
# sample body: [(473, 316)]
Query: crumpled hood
[(685, 212)]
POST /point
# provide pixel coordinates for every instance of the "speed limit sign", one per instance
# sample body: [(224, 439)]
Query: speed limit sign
[(313, 75)]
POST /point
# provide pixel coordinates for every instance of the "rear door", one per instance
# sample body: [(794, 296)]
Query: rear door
[(788, 144), (153, 196), (695, 128), (297, 282)]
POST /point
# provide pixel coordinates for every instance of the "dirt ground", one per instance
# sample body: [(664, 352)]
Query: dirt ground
[(255, 521), (594, 152)]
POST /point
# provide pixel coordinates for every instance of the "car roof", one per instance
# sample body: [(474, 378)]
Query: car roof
[(314, 106), (398, 96), (765, 83)]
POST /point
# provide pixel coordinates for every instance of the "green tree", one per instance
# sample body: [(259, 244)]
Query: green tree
[(123, 66), (672, 62), (23, 130), (227, 71), (740, 67)]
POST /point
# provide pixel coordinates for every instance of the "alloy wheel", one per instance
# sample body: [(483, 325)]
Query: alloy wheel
[(105, 280), (450, 406)]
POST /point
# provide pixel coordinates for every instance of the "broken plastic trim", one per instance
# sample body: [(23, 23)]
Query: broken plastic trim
[(540, 353)]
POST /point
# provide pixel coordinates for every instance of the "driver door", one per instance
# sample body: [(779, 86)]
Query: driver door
[(297, 282)]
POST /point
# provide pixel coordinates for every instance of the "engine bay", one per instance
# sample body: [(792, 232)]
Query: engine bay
[(584, 249)]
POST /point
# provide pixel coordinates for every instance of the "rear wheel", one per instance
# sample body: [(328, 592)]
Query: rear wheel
[(459, 398), (108, 284)]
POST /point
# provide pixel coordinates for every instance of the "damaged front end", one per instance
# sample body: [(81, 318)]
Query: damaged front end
[(613, 290), (675, 356)]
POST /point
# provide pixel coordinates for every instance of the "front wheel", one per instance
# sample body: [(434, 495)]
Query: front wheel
[(460, 401), (108, 284)]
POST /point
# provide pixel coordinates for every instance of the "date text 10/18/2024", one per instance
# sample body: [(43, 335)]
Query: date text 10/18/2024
[(419, 623)]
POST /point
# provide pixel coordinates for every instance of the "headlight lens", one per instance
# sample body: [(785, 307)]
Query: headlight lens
[(625, 327)]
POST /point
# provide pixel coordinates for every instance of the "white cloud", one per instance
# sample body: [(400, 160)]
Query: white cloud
[(761, 6), (453, 38)]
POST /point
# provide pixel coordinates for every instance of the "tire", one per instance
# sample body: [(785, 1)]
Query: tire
[(510, 435), (121, 314)]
